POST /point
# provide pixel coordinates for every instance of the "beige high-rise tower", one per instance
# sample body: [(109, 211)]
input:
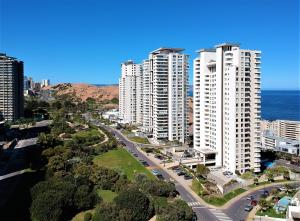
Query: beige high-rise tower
[(227, 109)]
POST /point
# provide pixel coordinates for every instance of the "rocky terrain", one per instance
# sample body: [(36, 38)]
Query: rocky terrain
[(102, 94)]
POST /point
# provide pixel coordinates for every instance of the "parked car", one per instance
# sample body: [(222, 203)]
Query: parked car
[(155, 172), (160, 177), (187, 177), (180, 173), (145, 164), (282, 188), (250, 197), (248, 208), (253, 202)]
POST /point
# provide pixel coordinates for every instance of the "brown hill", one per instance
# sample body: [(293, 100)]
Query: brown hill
[(84, 91)]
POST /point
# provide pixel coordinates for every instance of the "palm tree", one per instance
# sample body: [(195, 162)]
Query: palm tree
[(263, 204), (255, 181)]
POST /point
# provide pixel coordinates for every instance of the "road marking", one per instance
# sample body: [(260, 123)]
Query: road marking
[(194, 204), (220, 215)]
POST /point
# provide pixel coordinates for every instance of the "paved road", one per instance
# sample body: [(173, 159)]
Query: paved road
[(9, 175), (234, 212), (203, 213), (26, 143)]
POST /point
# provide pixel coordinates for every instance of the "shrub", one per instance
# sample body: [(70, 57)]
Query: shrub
[(87, 216)]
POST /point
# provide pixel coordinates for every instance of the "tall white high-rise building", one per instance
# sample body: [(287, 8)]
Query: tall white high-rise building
[(130, 84), (227, 105), (45, 83), (167, 73), (147, 113), (11, 88)]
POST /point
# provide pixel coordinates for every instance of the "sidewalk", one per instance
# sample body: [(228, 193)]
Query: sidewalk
[(187, 185), (11, 174)]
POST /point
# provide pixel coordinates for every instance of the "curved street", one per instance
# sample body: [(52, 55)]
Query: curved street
[(233, 210)]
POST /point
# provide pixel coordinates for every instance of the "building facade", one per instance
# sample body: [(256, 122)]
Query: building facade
[(129, 84), (168, 70), (227, 110), (147, 107), (286, 129), (11, 88), (272, 142), (154, 94), (45, 83)]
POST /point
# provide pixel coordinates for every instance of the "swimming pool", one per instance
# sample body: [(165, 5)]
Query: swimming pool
[(283, 203)]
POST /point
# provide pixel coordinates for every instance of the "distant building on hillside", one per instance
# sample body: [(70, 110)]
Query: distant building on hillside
[(26, 83), (11, 88), (37, 86), (45, 83)]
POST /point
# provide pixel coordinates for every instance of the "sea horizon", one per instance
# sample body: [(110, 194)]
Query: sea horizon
[(278, 104)]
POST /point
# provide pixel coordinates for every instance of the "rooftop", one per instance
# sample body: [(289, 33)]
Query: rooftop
[(128, 62), (206, 50), (227, 44), (168, 50)]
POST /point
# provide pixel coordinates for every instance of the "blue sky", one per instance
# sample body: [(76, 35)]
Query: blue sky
[(86, 40)]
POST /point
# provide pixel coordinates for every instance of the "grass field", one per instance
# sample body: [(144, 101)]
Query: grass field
[(123, 161), (271, 213), (142, 140), (107, 195), (219, 201), (80, 216)]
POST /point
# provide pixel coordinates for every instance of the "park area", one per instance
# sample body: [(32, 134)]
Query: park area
[(121, 160)]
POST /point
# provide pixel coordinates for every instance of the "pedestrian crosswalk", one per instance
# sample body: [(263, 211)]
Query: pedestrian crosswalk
[(220, 215), (194, 204)]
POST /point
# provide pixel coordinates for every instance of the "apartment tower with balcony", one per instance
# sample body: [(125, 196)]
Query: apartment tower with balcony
[(11, 88), (227, 110), (168, 85), (130, 93)]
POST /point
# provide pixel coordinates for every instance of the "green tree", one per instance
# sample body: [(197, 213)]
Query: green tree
[(106, 212), (202, 170), (175, 211), (85, 198), (286, 175), (255, 180), (263, 204), (270, 177), (104, 178), (134, 203), (158, 188), (51, 200)]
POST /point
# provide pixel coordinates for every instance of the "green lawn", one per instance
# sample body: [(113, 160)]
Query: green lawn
[(142, 140), (219, 201), (121, 160), (196, 187), (271, 213), (266, 182), (107, 195), (80, 216)]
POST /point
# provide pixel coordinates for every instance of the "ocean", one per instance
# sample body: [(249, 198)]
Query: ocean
[(283, 105), (278, 104)]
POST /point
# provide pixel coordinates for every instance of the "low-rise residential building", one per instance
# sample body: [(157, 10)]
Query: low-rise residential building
[(272, 142), (283, 128)]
